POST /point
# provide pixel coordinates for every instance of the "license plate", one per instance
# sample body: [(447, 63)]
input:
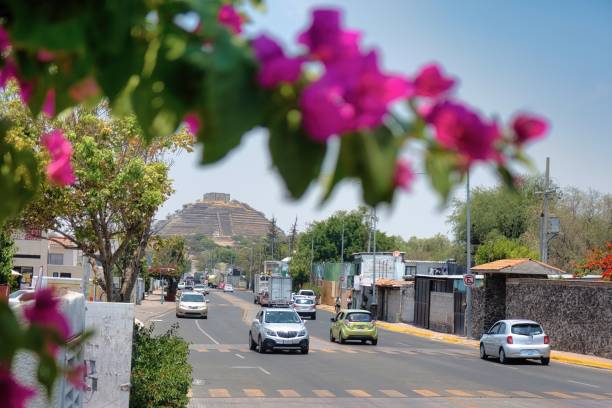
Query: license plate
[(529, 352)]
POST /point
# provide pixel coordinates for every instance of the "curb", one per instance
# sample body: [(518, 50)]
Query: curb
[(445, 338)]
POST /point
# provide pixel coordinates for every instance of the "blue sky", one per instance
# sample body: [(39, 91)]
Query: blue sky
[(549, 57)]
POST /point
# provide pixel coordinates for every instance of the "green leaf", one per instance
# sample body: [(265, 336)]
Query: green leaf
[(47, 372), (441, 167), (297, 158), (19, 177), (12, 333), (233, 103), (370, 157)]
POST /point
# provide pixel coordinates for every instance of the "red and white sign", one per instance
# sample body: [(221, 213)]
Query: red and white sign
[(469, 279), (396, 253)]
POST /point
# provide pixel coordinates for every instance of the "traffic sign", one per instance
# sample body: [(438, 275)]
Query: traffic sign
[(342, 278), (469, 279), (396, 253)]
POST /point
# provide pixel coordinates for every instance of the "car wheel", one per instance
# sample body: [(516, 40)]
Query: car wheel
[(545, 360), (205, 316), (483, 355), (374, 342), (252, 345), (331, 337), (342, 339), (177, 315), (502, 356), (364, 341), (260, 346), (305, 350)]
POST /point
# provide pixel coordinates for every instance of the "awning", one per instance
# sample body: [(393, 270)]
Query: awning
[(15, 273)]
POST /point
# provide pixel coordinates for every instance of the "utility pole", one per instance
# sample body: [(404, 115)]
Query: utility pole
[(468, 223), (311, 255), (544, 216), (374, 300)]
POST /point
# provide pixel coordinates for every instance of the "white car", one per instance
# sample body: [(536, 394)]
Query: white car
[(228, 288), (192, 304), (520, 339), (15, 297)]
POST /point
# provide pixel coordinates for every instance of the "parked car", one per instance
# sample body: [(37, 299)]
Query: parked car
[(181, 286), (305, 307), (228, 288), (16, 297), (307, 293), (353, 324), (274, 329), (192, 304), (509, 339)]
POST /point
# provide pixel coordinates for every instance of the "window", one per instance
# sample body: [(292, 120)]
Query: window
[(56, 259), (192, 297), (411, 270), (303, 301), (359, 317), (527, 329), (502, 329), (55, 274), (494, 329), (282, 317), (65, 275)]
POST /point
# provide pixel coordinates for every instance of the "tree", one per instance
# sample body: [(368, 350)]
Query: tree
[(7, 250), (293, 237), (500, 247), (121, 182), (272, 239), (597, 260), (169, 259), (439, 247)]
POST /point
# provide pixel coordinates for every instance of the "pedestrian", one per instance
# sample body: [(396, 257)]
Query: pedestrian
[(349, 302), (337, 304)]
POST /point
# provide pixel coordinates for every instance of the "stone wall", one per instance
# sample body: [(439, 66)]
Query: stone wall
[(407, 313), (441, 312), (478, 313), (577, 315), (494, 299)]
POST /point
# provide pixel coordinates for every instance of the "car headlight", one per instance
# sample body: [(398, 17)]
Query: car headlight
[(270, 332), (302, 332)]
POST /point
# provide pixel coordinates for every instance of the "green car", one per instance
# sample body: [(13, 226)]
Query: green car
[(353, 324)]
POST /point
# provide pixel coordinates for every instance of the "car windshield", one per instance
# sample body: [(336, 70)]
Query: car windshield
[(359, 317), (527, 329), (192, 297), (199, 286), (15, 294), (307, 293), (302, 301), (282, 317)]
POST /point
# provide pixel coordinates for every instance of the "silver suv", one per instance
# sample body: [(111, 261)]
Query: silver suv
[(274, 329), (521, 339)]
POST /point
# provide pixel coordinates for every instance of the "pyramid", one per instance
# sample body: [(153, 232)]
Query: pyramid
[(216, 216)]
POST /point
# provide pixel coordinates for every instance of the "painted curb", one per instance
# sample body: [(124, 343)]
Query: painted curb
[(555, 356)]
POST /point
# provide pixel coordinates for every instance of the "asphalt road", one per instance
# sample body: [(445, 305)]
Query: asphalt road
[(402, 370)]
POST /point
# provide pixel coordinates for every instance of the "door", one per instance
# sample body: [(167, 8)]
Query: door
[(336, 325), (500, 338), (489, 339), (421, 302), (459, 306), (255, 326)]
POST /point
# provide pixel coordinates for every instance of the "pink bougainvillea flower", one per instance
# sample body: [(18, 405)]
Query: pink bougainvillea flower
[(275, 66), (49, 104), (326, 40), (193, 123), (14, 395), (229, 17), (45, 312), (529, 127), (59, 170), (45, 56), (84, 89), (404, 175), (430, 82), (352, 95), (76, 376), (460, 129)]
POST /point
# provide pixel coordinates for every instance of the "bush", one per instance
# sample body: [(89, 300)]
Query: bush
[(310, 286), (161, 374)]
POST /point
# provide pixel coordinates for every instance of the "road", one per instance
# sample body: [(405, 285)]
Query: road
[(402, 370)]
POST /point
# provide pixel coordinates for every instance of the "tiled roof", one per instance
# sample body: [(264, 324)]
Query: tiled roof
[(520, 265), (393, 283)]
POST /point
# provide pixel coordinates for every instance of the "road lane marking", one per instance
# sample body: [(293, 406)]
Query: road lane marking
[(405, 344), (591, 395), (206, 334), (243, 350), (358, 393), (349, 351), (426, 393), (289, 393), (253, 392), (218, 393), (581, 383), (328, 350), (264, 370), (368, 351), (494, 394), (156, 320), (323, 393), (389, 352), (223, 350), (409, 352), (560, 395), (202, 349), (459, 393), (239, 356), (526, 394), (393, 393)]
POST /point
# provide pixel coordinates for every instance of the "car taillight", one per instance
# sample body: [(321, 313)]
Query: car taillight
[(546, 340), (509, 340)]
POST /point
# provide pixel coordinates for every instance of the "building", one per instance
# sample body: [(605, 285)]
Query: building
[(57, 256), (448, 267), (386, 265)]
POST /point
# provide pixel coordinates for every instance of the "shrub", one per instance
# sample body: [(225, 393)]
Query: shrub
[(310, 286), (161, 374)]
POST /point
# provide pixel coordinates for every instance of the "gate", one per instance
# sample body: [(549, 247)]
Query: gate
[(421, 302), (459, 303)]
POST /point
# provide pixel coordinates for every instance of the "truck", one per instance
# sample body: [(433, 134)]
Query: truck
[(213, 281), (260, 285), (278, 293)]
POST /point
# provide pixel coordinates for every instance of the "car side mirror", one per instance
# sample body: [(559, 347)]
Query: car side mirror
[(304, 321), (255, 321), (207, 300)]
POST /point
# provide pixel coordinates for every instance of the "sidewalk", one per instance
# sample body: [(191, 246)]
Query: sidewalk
[(151, 307), (561, 356)]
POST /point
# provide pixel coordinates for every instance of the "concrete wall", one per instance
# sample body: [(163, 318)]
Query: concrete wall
[(577, 315), (392, 307), (407, 313), (108, 353), (441, 312)]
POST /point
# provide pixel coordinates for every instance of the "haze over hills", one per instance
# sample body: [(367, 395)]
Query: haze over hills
[(217, 217)]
